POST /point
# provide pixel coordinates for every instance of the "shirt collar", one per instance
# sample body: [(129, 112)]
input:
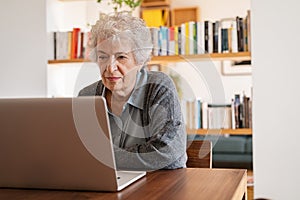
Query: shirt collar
[(137, 97)]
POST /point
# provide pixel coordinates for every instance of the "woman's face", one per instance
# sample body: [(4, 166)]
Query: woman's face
[(117, 64)]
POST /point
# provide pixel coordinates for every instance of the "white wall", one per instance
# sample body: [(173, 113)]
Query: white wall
[(23, 48), (216, 9), (276, 98), (66, 80)]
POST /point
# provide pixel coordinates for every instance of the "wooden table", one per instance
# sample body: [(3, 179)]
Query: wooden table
[(181, 184)]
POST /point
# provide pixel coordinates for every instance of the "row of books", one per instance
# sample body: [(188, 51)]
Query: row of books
[(203, 115), (70, 44), (222, 36), (242, 111), (190, 38)]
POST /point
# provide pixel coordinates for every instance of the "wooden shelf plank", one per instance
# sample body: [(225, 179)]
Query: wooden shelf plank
[(154, 3), (202, 57), (240, 131), (180, 58), (78, 60)]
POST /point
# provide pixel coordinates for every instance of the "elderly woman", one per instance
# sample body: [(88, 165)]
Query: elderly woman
[(146, 122)]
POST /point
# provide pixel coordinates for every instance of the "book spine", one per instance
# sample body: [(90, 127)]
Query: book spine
[(219, 116), (204, 115), (54, 45), (215, 26), (200, 38), (176, 39), (183, 39), (74, 43), (155, 36), (191, 37), (86, 48), (236, 110), (179, 40), (69, 45), (171, 49), (224, 33), (206, 37), (234, 39), (195, 38), (239, 25), (187, 39), (210, 38), (249, 29), (197, 113), (233, 126)]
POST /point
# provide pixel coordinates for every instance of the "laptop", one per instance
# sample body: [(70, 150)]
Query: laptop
[(59, 143)]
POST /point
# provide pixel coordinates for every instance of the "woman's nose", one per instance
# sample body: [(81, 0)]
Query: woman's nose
[(112, 65)]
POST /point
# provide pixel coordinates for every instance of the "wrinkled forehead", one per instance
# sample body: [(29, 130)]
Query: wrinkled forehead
[(115, 44)]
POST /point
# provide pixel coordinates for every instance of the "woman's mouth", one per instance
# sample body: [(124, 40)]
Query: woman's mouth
[(113, 79)]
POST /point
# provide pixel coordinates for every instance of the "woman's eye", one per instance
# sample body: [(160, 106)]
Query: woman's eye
[(121, 57), (101, 58)]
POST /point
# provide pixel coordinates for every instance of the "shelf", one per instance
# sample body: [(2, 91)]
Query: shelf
[(153, 3), (203, 57), (78, 60), (180, 58), (241, 131)]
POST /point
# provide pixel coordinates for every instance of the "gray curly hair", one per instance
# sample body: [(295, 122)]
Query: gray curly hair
[(135, 28)]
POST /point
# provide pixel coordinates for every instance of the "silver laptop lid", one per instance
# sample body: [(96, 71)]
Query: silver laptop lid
[(56, 143)]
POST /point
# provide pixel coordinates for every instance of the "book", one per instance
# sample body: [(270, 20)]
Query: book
[(86, 48), (188, 114), (200, 38), (191, 37), (240, 33), (69, 45), (195, 38), (51, 42), (171, 48), (179, 40), (176, 39), (236, 110), (198, 114), (234, 40), (224, 36), (204, 107), (183, 39), (163, 40), (187, 38), (216, 41), (193, 113), (233, 126), (155, 37), (249, 30), (80, 45), (62, 45), (219, 116), (208, 34), (74, 42)]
